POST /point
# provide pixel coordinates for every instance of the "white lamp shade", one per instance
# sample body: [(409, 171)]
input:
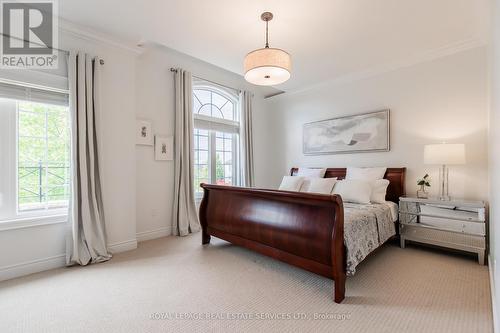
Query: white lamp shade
[(444, 154), (267, 66)]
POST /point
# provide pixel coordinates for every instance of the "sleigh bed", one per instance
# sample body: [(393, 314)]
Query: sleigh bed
[(302, 229)]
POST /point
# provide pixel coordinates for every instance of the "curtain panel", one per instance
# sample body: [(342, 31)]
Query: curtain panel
[(246, 139), (87, 239), (185, 216)]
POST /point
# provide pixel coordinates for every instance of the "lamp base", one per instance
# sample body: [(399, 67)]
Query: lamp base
[(443, 184)]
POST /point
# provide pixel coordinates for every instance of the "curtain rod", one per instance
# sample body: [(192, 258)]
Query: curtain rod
[(101, 61), (201, 78)]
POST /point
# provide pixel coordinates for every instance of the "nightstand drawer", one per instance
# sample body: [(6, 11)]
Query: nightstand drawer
[(473, 228), (452, 212), (456, 224), (455, 240)]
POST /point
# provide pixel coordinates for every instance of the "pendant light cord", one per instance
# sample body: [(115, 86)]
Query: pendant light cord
[(267, 34)]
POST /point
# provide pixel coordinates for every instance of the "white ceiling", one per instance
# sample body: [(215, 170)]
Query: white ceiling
[(326, 38)]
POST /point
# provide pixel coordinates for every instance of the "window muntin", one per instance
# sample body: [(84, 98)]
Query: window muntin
[(215, 137)]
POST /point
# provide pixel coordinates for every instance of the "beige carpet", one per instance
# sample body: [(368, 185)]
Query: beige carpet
[(180, 284)]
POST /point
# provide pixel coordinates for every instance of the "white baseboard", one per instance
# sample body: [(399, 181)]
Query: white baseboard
[(140, 237), (44, 264), (494, 305), (153, 234), (57, 261), (33, 266), (123, 246)]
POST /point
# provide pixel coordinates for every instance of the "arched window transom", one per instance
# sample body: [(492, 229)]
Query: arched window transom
[(211, 103)]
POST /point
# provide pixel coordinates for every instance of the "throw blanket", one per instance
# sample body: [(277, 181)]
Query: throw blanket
[(366, 227)]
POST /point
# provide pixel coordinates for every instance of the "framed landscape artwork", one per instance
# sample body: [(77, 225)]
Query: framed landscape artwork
[(366, 132)]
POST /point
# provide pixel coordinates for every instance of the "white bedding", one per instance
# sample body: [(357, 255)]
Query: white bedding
[(394, 210)]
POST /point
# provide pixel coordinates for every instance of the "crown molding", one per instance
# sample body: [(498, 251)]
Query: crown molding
[(94, 36), (444, 51)]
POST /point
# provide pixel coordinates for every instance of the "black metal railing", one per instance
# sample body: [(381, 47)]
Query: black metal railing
[(42, 191)]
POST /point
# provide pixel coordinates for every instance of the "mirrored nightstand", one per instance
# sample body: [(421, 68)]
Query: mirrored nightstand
[(456, 224)]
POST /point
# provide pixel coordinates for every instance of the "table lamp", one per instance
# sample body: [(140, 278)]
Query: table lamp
[(444, 155)]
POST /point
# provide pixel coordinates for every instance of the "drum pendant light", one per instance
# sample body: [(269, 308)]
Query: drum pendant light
[(267, 66)]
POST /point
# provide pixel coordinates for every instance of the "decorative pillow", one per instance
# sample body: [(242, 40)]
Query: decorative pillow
[(356, 191), (379, 190), (318, 185), (291, 183), (311, 173), (368, 174)]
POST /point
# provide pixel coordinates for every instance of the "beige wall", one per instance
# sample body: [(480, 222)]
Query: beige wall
[(118, 91), (155, 102), (138, 191), (441, 100), (43, 247)]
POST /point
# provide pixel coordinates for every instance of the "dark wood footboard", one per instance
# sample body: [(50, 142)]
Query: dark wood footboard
[(302, 229)]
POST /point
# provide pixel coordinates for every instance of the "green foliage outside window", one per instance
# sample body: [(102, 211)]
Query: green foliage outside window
[(43, 155), (202, 174)]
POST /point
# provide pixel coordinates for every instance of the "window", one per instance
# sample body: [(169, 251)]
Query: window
[(43, 149), (216, 139), (35, 152), (202, 158), (213, 103)]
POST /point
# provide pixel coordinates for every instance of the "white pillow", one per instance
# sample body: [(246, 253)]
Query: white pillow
[(356, 191), (291, 183), (318, 185), (379, 190), (312, 173), (368, 174)]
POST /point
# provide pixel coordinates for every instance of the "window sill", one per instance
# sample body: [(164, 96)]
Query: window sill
[(21, 223)]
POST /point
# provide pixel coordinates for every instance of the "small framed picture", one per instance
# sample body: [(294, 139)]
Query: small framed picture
[(144, 135), (164, 148)]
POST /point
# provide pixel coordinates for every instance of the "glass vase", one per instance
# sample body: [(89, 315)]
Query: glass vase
[(421, 193)]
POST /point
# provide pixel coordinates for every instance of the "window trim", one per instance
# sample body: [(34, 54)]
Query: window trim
[(8, 148), (232, 96), (12, 217), (202, 85), (33, 221), (222, 122)]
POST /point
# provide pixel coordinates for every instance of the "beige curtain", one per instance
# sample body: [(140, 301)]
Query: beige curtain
[(246, 139), (185, 217), (87, 241)]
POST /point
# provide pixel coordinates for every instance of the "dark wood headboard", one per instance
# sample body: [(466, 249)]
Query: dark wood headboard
[(395, 176)]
